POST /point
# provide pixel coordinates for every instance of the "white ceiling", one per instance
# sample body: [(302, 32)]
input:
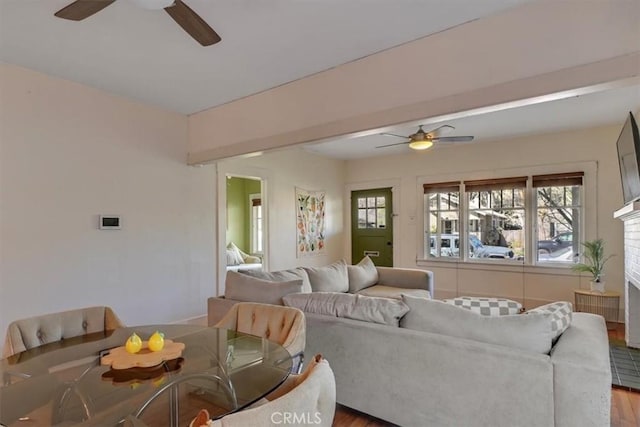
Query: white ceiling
[(608, 107), (144, 55)]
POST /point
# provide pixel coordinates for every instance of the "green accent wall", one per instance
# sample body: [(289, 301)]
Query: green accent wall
[(238, 213)]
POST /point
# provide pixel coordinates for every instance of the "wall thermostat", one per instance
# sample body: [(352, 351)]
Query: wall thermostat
[(110, 222)]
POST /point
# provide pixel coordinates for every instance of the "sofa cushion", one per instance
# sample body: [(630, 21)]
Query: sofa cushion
[(560, 314), (362, 275), (330, 278), (282, 276), (487, 306), (383, 291), (352, 306), (530, 333), (242, 287)]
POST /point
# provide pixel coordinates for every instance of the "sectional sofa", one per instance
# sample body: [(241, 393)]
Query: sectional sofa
[(413, 361), (362, 279)]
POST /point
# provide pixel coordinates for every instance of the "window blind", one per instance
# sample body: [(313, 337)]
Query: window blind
[(558, 179), (496, 184), (442, 187)]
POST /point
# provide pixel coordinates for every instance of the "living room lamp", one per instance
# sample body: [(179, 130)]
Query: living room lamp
[(421, 144)]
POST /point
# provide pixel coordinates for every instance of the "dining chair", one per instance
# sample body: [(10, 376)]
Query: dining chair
[(284, 325), (305, 399), (35, 331)]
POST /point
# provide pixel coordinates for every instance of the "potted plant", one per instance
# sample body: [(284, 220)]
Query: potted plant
[(594, 261)]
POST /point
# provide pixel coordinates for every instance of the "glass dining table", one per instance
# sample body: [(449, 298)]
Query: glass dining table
[(65, 384)]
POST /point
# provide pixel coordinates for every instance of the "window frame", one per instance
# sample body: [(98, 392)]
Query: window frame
[(587, 228), (533, 197)]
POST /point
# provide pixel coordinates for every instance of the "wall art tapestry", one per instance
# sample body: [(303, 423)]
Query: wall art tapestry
[(310, 211)]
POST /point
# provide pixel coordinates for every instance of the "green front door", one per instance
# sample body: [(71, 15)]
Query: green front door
[(372, 226)]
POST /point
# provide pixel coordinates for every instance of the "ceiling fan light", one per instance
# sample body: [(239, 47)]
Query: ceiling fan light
[(153, 4), (421, 145)]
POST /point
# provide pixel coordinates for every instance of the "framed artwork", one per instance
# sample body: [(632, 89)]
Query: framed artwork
[(310, 225)]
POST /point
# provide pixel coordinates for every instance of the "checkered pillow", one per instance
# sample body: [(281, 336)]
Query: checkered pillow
[(487, 306), (560, 314)]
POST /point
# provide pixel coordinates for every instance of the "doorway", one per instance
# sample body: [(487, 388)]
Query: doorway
[(229, 216), (245, 214), (372, 226)]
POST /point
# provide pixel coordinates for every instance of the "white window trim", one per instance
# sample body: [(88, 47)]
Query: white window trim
[(588, 226)]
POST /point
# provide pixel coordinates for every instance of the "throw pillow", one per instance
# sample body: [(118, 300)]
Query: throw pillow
[(560, 314), (330, 278), (487, 306), (242, 287), (530, 333), (351, 306), (282, 276), (234, 257), (362, 275)]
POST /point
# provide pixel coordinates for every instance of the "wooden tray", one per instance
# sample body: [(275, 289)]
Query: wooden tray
[(136, 375), (119, 358)]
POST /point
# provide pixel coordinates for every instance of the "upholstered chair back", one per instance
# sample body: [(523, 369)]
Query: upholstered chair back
[(306, 399), (32, 332), (284, 325)]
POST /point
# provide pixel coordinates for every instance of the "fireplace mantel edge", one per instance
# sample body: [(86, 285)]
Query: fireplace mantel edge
[(629, 211)]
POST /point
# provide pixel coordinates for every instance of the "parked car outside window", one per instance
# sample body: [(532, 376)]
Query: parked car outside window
[(450, 247), (559, 242)]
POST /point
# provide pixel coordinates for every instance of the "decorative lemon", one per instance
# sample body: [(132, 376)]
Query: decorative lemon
[(133, 344), (156, 341)]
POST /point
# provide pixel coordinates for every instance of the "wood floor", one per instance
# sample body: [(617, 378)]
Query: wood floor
[(625, 406)]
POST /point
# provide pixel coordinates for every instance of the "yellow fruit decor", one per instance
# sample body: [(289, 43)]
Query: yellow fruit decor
[(156, 341), (133, 344)]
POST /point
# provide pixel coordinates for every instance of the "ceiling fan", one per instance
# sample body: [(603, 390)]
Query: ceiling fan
[(190, 21), (422, 140)]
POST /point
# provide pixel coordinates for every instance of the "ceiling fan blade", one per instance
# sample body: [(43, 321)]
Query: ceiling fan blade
[(393, 134), (445, 139), (192, 23), (81, 9), (391, 145)]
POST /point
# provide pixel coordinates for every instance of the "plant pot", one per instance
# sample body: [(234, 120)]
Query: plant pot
[(597, 286)]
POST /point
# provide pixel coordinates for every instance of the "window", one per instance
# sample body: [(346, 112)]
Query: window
[(558, 207), (442, 223), (255, 202), (496, 218), (495, 213), (371, 212)]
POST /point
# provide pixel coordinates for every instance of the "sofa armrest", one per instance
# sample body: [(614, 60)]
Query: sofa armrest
[(582, 373), (411, 278), (217, 307)]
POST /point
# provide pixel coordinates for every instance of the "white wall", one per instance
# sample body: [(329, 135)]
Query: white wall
[(69, 153), (283, 171), (532, 285)]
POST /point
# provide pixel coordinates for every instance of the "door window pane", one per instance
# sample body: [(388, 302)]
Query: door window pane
[(372, 212)]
